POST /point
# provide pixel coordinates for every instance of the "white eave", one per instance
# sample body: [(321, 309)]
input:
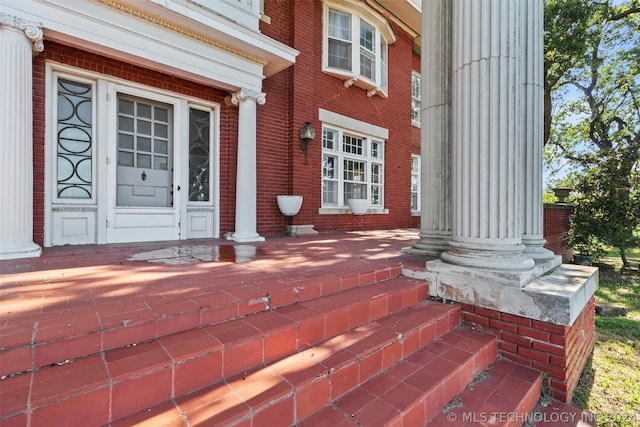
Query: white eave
[(172, 38)]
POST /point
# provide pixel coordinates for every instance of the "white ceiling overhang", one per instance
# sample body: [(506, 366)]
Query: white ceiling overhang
[(177, 38)]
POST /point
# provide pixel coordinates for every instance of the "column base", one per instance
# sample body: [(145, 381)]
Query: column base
[(300, 230), (429, 245), (514, 278), (245, 237), (503, 257), (535, 249), (556, 296), (30, 250)]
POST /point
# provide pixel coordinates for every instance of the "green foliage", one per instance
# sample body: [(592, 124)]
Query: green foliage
[(592, 63)]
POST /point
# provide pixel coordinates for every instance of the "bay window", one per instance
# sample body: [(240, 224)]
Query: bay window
[(356, 40)]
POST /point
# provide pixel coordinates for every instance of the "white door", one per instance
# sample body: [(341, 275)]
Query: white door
[(143, 171)]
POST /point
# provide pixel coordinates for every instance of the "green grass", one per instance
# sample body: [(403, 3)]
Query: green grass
[(610, 383)]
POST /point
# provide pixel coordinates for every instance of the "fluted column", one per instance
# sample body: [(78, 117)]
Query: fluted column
[(246, 186), (19, 41), (486, 126), (533, 129), (435, 142)]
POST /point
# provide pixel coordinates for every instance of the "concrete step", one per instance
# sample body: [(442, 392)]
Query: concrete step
[(99, 388)]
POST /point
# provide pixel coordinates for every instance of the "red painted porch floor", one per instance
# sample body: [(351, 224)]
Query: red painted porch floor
[(79, 300)]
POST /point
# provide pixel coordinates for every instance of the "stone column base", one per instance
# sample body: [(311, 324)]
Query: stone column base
[(299, 230)]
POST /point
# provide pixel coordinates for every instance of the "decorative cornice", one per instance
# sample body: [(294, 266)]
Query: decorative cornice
[(154, 19), (247, 94), (32, 30)]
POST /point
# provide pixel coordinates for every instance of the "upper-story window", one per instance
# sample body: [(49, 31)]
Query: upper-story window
[(416, 103), (355, 50)]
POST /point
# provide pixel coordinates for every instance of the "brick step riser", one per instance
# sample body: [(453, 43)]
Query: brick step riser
[(144, 325), (176, 376)]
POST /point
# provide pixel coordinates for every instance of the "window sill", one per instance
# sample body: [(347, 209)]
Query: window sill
[(346, 211)]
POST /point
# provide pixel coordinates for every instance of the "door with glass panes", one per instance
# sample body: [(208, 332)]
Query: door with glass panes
[(146, 203)]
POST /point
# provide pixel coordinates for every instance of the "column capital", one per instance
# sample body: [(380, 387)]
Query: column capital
[(32, 30), (248, 95)]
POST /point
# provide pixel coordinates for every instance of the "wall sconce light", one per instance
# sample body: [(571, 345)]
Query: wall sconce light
[(307, 133)]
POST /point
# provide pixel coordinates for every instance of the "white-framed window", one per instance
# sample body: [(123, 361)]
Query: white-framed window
[(352, 168), (415, 183), (416, 101), (355, 48)]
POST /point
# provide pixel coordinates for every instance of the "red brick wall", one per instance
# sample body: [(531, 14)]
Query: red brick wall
[(293, 97), (311, 89), (556, 226), (559, 351)]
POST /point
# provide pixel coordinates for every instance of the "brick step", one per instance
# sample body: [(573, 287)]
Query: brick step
[(116, 383), (414, 390), (503, 395), (558, 414), (414, 345), (54, 336)]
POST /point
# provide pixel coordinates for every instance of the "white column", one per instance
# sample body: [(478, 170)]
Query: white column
[(435, 137), (533, 125), (486, 120), (246, 189), (19, 42)]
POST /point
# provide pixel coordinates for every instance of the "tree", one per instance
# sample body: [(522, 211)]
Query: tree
[(592, 81)]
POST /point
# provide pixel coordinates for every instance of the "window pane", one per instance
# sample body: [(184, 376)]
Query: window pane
[(144, 127), (367, 65), (125, 141), (125, 158), (199, 149), (144, 111), (144, 144), (354, 191), (339, 25), (328, 139), (329, 167), (160, 130), (144, 161), (354, 171), (74, 147), (383, 65), (330, 192), (125, 124), (339, 54), (367, 37), (352, 145), (160, 146), (160, 163)]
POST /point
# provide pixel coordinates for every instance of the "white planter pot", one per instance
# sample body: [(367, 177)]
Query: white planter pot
[(358, 206), (289, 205)]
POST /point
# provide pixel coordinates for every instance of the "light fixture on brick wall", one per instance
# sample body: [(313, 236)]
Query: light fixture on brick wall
[(307, 133)]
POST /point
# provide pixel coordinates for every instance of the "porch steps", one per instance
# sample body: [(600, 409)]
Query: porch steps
[(108, 385), (399, 370), (89, 326)]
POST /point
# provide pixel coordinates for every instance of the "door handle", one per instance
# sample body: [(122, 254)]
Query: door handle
[(178, 188), (144, 176)]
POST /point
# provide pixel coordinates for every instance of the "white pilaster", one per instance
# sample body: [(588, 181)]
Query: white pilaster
[(19, 41), (486, 122), (435, 140), (246, 186), (532, 129)]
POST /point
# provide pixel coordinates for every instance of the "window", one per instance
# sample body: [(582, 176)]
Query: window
[(352, 168), (356, 47), (415, 183), (199, 155), (416, 103), (74, 140)]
